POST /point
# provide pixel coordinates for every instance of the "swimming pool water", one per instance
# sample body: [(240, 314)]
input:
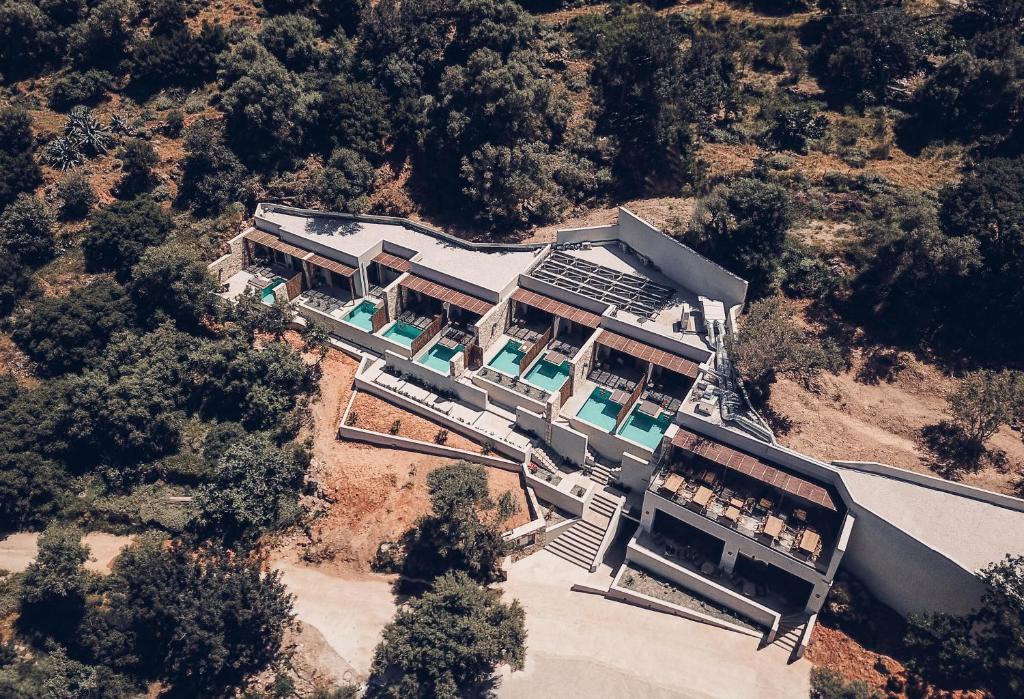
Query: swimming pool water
[(267, 295), (643, 429), (402, 333), (507, 360), (548, 376), (439, 358), (360, 316), (599, 410)]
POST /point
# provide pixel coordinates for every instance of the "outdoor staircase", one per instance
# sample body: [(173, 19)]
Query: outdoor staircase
[(543, 458), (791, 628), (579, 542), (601, 474)]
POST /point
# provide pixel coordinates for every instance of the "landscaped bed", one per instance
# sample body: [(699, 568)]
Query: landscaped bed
[(639, 580), (378, 415)]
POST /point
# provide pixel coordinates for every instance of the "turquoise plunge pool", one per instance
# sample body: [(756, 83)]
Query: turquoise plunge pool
[(360, 316), (599, 410), (507, 360), (440, 358), (267, 295), (402, 333), (548, 376), (644, 429)]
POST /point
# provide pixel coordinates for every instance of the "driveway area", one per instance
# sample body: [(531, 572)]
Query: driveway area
[(18, 550), (347, 612), (585, 645)]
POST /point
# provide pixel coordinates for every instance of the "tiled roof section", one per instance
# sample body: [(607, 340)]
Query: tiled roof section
[(393, 261), (331, 265), (558, 308), (753, 467), (446, 294), (272, 241), (647, 353)]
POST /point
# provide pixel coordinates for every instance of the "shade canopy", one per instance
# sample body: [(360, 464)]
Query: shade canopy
[(446, 294), (556, 307), (753, 467), (647, 353)]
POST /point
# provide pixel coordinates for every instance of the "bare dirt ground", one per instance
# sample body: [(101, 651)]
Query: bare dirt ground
[(834, 649), (17, 551), (850, 419), (373, 413), (374, 494)]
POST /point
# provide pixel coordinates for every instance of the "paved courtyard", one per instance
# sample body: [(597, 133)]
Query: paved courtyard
[(582, 645)]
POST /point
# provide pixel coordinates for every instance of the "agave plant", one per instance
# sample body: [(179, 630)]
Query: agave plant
[(120, 125), (64, 152), (93, 137)]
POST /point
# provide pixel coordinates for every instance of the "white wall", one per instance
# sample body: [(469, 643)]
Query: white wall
[(471, 395), (905, 574), (636, 473), (569, 443), (645, 558), (680, 263)]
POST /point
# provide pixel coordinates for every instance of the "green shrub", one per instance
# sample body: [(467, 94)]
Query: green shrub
[(76, 196), (74, 88)]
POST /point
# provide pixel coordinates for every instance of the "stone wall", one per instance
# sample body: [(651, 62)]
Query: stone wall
[(493, 324)]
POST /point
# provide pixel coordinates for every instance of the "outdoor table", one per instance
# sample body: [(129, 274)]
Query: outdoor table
[(703, 496), (737, 503), (765, 504), (800, 515), (732, 514), (809, 541), (773, 527), (709, 477), (673, 482)]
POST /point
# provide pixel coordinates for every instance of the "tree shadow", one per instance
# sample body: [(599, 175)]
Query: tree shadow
[(779, 423), (952, 455), (881, 364)]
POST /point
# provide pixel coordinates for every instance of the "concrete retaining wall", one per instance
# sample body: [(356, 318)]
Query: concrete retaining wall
[(397, 442), (506, 396), (682, 264), (623, 594), (905, 574), (614, 525), (636, 473), (531, 422), (559, 496), (1007, 501), (757, 613), (570, 444), (426, 411)]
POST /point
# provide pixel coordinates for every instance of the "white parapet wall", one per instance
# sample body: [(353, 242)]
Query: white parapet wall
[(758, 613)]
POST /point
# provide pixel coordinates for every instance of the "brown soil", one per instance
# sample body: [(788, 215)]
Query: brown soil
[(373, 494), (836, 650), (850, 418), (378, 416)]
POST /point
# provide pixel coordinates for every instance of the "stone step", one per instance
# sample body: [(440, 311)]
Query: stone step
[(588, 531), (571, 556)]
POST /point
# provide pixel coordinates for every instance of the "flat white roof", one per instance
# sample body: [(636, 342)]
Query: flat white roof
[(970, 532), (494, 270)]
